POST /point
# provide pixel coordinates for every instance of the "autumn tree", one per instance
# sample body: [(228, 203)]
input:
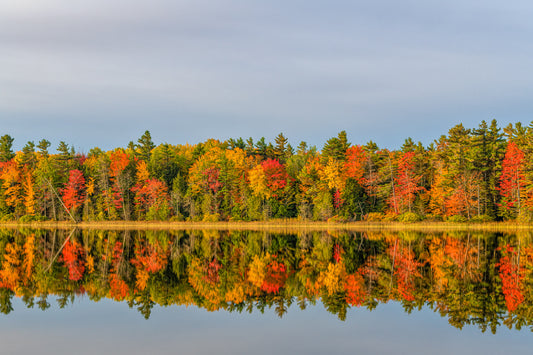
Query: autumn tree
[(270, 181), (74, 192), (11, 178), (355, 163), (276, 179), (151, 195), (407, 182), (512, 182), (28, 186), (217, 180), (460, 184), (120, 173), (314, 190)]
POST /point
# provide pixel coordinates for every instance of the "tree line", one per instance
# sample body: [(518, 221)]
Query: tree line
[(479, 174)]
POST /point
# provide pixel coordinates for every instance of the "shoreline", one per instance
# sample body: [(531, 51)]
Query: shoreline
[(273, 225)]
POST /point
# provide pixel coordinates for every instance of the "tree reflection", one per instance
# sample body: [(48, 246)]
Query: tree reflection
[(470, 278)]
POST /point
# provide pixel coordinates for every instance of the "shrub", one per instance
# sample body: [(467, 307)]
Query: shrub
[(158, 212), (390, 217), (27, 218), (523, 218), (409, 217), (375, 216), (177, 218), (8, 217), (214, 217)]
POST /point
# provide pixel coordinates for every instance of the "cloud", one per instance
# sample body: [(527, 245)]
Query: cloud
[(191, 70)]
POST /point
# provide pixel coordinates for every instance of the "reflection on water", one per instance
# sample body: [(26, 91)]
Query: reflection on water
[(471, 278)]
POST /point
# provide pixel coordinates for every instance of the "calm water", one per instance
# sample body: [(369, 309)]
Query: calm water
[(203, 292)]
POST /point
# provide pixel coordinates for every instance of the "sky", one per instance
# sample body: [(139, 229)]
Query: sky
[(100, 73)]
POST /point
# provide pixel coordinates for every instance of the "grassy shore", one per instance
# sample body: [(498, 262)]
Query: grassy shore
[(285, 225)]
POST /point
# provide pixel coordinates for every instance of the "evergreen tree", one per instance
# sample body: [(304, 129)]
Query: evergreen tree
[(28, 156), (487, 149), (163, 164), (43, 147), (281, 147), (145, 146), (336, 147), (261, 148), (6, 145)]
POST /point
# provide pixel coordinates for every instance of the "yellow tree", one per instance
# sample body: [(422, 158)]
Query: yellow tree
[(219, 178), (29, 193), (333, 174), (240, 164), (10, 175), (205, 180), (314, 189), (439, 191), (258, 182)]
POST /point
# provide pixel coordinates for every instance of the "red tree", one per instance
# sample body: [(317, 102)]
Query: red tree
[(337, 199), (74, 191), (212, 179), (407, 182), (512, 179), (354, 167), (150, 193), (276, 176), (119, 162)]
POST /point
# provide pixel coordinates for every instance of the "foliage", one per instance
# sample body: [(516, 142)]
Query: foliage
[(410, 217), (480, 174), (217, 270), (375, 216)]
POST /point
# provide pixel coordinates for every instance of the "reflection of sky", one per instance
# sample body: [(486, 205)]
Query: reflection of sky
[(108, 327)]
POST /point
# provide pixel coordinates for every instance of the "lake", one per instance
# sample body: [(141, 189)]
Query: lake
[(207, 291)]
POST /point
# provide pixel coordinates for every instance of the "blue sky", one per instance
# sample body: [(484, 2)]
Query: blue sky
[(99, 73)]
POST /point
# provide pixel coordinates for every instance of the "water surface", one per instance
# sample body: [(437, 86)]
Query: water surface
[(228, 292)]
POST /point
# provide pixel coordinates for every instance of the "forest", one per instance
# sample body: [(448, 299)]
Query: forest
[(480, 174)]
